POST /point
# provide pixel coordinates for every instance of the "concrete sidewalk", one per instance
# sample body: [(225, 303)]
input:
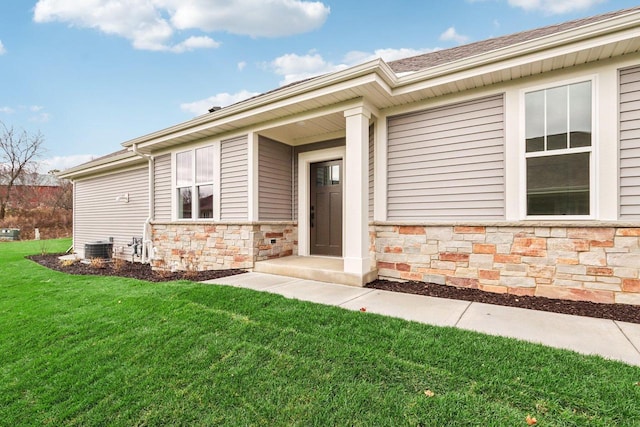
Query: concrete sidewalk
[(610, 339)]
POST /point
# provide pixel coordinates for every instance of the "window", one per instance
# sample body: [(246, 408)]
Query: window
[(328, 175), (194, 183), (558, 147)]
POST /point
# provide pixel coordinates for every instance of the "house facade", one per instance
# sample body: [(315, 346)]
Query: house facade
[(508, 165)]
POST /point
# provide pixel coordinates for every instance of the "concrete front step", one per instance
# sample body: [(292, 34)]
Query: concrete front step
[(321, 269)]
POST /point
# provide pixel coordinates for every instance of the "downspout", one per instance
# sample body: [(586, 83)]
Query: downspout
[(293, 184), (147, 243)]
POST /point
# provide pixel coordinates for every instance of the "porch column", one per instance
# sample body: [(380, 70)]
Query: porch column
[(356, 251)]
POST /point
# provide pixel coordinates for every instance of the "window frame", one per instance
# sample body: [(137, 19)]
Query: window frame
[(592, 149), (194, 185)]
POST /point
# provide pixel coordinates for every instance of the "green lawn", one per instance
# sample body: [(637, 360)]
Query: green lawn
[(110, 351)]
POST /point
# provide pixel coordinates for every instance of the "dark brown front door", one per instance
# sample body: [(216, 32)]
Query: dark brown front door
[(326, 208)]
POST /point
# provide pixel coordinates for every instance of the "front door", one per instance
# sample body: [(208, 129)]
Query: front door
[(325, 212)]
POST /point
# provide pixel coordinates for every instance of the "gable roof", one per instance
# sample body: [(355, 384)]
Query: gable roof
[(403, 81), (440, 57)]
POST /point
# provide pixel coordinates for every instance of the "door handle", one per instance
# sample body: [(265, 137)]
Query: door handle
[(312, 216)]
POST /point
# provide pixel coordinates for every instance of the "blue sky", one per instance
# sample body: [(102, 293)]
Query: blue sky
[(91, 74)]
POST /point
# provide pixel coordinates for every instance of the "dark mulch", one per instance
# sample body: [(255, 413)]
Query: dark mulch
[(134, 270), (621, 312)]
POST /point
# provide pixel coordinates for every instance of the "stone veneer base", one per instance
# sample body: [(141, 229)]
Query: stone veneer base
[(597, 262), (576, 262), (219, 246)]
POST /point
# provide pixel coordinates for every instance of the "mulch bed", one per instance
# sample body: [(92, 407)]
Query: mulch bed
[(133, 270), (620, 312)]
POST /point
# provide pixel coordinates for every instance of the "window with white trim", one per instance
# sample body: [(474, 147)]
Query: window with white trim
[(194, 183), (558, 150)]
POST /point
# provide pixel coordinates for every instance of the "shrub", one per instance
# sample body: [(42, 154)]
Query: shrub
[(67, 262), (118, 264), (98, 263)]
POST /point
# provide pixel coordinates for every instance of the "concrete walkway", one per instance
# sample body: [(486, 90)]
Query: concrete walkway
[(610, 339)]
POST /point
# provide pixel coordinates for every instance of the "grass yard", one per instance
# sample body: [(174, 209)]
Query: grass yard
[(80, 350)]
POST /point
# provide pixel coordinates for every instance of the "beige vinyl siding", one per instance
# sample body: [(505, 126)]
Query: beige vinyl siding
[(630, 143), (98, 216), (162, 201), (234, 187), (447, 163), (275, 179), (371, 160)]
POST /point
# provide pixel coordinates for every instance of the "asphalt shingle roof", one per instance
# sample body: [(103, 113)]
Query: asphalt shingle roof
[(432, 59)]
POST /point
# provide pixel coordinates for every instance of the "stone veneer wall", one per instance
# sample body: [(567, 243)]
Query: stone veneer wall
[(592, 263), (206, 246)]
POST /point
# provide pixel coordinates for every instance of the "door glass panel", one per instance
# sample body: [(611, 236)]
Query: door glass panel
[(328, 175)]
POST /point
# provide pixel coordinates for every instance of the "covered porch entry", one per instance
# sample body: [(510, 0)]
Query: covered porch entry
[(331, 156)]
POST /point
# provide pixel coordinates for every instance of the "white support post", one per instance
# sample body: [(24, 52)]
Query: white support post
[(356, 251)]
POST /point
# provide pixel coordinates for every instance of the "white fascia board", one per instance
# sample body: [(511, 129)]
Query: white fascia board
[(213, 123), (101, 165), (372, 71), (465, 72), (322, 111), (608, 31)]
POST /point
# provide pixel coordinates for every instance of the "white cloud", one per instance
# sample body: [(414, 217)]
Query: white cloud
[(452, 35), (554, 7), (193, 43), (241, 65), (152, 24), (357, 57), (40, 115), (40, 118), (293, 67), (63, 162), (249, 17), (3, 50), (220, 100)]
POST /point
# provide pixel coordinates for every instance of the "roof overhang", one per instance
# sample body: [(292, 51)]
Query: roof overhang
[(323, 98), (103, 164), (597, 41)]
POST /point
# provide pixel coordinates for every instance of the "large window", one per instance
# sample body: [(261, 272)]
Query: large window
[(558, 146), (194, 183)]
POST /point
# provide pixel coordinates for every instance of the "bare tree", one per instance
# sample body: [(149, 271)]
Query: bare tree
[(18, 152), (63, 198)]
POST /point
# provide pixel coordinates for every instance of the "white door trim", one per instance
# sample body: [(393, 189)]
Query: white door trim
[(304, 168)]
